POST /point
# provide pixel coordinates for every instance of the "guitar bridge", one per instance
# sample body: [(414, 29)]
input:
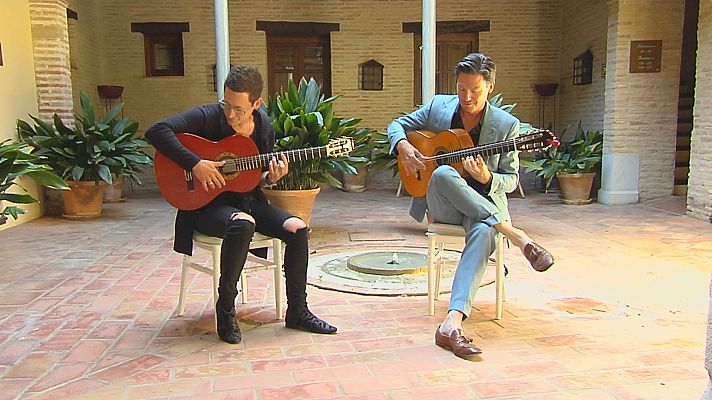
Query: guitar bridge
[(190, 183)]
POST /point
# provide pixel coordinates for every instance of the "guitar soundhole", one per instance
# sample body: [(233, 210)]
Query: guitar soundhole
[(439, 160), (228, 170)]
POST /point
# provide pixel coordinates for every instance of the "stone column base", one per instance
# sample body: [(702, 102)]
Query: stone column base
[(619, 179)]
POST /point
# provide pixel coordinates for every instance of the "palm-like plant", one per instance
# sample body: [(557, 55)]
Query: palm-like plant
[(302, 117), (582, 155), (16, 160), (92, 150)]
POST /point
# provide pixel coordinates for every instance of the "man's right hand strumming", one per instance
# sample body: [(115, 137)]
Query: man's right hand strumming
[(207, 173), (410, 157)]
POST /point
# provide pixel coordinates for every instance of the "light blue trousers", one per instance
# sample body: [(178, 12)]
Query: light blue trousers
[(451, 201)]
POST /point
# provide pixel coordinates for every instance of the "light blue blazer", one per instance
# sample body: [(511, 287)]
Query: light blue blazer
[(497, 125)]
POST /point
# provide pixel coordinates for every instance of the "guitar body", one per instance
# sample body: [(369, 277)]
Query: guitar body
[(184, 192), (431, 144)]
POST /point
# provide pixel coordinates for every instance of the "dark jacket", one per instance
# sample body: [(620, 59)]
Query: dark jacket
[(207, 121)]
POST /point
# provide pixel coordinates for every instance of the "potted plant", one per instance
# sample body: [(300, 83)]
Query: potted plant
[(17, 161), (85, 155), (574, 164), (302, 118), (370, 153), (127, 155)]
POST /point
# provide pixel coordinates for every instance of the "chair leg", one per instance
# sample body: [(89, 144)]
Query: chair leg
[(431, 275), (216, 280), (438, 261), (183, 284), (499, 278), (243, 287), (278, 281)]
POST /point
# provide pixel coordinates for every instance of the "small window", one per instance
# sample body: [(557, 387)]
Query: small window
[(163, 47), (370, 75)]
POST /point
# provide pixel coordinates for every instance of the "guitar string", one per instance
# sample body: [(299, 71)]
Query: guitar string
[(486, 149), (260, 160)]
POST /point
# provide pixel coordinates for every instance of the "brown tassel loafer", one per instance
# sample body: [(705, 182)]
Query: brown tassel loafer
[(458, 343), (538, 257)]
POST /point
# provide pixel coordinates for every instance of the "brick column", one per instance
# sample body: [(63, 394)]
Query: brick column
[(640, 117), (50, 40), (699, 188)]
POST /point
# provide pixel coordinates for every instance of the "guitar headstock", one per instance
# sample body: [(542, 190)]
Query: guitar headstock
[(537, 140), (340, 147)]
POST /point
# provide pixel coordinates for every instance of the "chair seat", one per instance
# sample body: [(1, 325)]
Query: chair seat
[(442, 235), (216, 241), (213, 245), (446, 229)]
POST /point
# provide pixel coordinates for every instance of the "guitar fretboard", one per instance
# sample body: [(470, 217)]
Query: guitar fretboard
[(260, 160), (484, 150)]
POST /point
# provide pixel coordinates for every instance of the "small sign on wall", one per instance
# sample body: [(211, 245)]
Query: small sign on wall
[(645, 55)]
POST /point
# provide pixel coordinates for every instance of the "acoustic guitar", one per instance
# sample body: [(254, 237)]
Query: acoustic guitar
[(451, 146), (242, 169)]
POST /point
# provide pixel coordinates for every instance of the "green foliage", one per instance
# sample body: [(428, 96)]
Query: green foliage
[(16, 160), (303, 118), (581, 155), (371, 150), (91, 151)]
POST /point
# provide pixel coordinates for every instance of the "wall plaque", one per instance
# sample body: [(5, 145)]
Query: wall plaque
[(645, 55)]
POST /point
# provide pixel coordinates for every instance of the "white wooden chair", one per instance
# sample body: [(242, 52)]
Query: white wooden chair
[(442, 235), (253, 263)]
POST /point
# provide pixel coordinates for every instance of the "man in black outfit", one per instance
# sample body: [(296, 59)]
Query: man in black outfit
[(232, 216)]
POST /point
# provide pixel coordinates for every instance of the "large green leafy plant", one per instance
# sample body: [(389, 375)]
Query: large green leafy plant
[(302, 117), (371, 150), (582, 155), (93, 150), (16, 160)]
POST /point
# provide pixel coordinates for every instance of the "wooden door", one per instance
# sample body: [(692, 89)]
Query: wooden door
[(297, 57)]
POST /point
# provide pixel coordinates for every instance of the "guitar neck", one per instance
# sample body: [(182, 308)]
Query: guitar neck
[(258, 161), (484, 150)]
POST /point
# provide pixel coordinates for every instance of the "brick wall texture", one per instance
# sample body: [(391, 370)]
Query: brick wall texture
[(50, 42), (584, 24), (641, 108), (526, 49), (699, 194), (531, 41)]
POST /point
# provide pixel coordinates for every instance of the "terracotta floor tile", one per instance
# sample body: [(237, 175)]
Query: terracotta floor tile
[(61, 374), (378, 384), (101, 322), (435, 393), (300, 392), (288, 364), (511, 387)]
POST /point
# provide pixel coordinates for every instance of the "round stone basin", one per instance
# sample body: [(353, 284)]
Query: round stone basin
[(388, 263)]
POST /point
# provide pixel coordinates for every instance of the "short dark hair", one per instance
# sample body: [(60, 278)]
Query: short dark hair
[(245, 79), (476, 63)]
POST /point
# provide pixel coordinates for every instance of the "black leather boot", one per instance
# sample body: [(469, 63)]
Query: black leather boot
[(228, 330), (301, 318)]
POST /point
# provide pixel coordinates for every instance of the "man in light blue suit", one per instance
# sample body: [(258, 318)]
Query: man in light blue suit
[(476, 201)]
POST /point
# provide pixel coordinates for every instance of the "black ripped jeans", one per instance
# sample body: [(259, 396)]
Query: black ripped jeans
[(214, 220)]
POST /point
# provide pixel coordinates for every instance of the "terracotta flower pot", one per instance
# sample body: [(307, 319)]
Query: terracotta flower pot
[(355, 183), (576, 188), (114, 193), (84, 200), (297, 202)]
